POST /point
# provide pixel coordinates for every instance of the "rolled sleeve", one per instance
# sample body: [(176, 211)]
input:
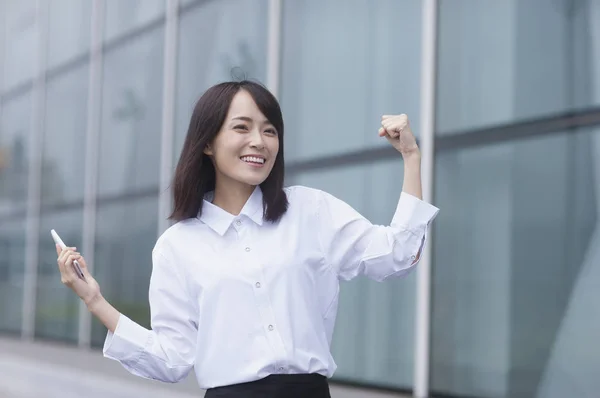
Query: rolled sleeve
[(413, 214), (166, 352), (127, 343), (355, 246)]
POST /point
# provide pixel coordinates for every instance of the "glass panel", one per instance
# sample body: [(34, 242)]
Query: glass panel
[(517, 269), (125, 16), (131, 116), (125, 237), (68, 30), (345, 67), (373, 339), (203, 63), (186, 2), (57, 306), (20, 37), (512, 60), (15, 125), (12, 267), (63, 171)]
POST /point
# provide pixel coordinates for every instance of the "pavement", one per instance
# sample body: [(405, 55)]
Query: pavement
[(53, 370)]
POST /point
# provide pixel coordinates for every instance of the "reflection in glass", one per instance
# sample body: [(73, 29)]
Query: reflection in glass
[(202, 63), (513, 60), (131, 116), (15, 125), (516, 269), (57, 306), (20, 35), (373, 339), (338, 81), (125, 237), (12, 267), (186, 2), (63, 158), (125, 16), (68, 30)]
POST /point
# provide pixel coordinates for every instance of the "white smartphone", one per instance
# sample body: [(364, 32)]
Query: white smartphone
[(62, 245)]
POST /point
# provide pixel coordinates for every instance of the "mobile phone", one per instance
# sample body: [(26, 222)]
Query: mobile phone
[(62, 245)]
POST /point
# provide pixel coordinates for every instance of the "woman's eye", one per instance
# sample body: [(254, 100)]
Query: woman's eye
[(271, 131), (240, 127)]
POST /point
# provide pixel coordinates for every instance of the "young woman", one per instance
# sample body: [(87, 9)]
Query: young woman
[(244, 286)]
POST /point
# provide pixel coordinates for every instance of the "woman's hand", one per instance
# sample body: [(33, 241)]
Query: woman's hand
[(396, 128), (88, 290)]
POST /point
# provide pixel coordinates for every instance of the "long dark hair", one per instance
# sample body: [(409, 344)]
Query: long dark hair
[(195, 173)]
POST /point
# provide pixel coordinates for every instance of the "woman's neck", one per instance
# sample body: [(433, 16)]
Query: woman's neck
[(232, 198)]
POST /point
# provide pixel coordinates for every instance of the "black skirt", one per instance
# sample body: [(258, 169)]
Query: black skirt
[(276, 386)]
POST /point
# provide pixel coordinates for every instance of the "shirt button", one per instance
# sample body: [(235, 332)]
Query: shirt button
[(282, 369), (247, 249), (271, 327), (257, 284), (412, 257), (238, 222)]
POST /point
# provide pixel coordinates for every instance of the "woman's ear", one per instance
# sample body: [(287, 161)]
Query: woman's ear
[(208, 150)]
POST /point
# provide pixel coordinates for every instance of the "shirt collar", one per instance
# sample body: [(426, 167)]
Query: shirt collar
[(220, 220)]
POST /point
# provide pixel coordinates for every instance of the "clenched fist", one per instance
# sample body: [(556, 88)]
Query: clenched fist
[(396, 128)]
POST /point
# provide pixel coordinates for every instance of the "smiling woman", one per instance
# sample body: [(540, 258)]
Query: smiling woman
[(245, 284), (230, 121)]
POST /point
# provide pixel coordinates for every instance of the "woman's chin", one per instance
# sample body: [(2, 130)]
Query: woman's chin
[(251, 180)]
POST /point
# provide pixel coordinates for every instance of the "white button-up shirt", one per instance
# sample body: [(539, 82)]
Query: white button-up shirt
[(238, 298)]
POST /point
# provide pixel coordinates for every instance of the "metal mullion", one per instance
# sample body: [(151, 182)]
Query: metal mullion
[(94, 107)]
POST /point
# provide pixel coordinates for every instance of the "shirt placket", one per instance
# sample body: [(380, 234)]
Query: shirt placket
[(253, 268)]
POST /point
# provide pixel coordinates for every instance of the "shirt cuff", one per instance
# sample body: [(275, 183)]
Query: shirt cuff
[(127, 343), (413, 213)]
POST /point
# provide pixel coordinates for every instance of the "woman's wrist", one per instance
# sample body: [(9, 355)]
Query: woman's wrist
[(106, 313), (94, 302), (412, 157), (412, 174)]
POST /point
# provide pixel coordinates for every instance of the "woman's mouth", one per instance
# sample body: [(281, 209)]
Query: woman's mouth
[(255, 161)]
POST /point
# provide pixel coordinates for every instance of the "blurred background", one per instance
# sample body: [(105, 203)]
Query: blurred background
[(96, 96)]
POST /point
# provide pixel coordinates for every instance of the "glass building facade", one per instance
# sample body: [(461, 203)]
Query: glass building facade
[(96, 96)]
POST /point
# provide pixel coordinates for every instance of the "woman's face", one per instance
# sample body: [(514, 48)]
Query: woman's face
[(245, 148)]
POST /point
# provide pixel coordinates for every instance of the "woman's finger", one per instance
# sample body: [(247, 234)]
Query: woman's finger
[(64, 254), (61, 266), (62, 259), (69, 262), (81, 261), (390, 127), (70, 274), (64, 269)]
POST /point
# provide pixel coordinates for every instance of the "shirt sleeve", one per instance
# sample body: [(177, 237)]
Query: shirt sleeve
[(354, 246), (167, 351)]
